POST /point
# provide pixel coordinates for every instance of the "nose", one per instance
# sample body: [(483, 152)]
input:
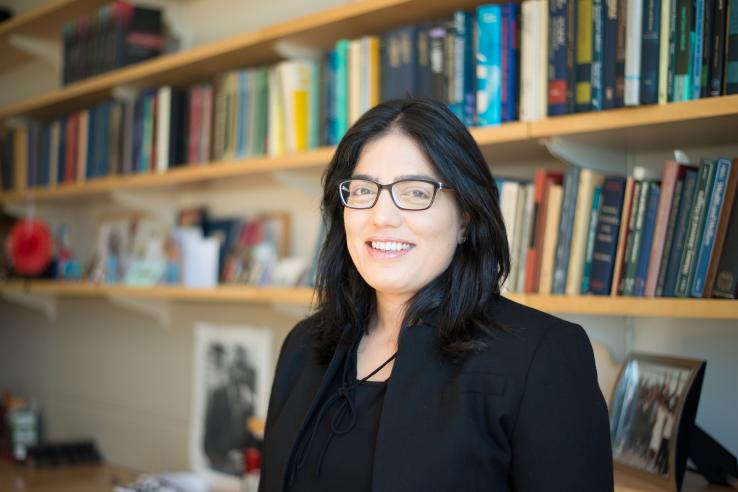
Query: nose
[(384, 212)]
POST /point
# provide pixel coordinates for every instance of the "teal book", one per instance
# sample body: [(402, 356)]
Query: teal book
[(680, 231), (342, 85)]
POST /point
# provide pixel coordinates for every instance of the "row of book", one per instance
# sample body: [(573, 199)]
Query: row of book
[(116, 35), (580, 232)]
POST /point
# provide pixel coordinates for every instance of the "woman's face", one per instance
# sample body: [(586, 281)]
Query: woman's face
[(428, 238)]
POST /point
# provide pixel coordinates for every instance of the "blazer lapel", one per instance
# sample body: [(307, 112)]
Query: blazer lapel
[(415, 376), (293, 422)]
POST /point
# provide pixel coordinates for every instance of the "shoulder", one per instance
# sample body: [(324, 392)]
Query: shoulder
[(525, 338), (529, 329)]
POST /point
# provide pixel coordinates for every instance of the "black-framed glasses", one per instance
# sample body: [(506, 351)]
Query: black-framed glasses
[(407, 194)]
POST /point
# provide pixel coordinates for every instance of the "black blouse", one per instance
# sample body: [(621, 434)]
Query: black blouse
[(338, 452)]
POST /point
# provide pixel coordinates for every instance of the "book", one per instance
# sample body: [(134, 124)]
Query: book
[(591, 235), (707, 238), (583, 227), (544, 179), (649, 90), (647, 230), (565, 224), (696, 225), (635, 226), (557, 52), (583, 91), (607, 235), (680, 231), (489, 71), (550, 238), (633, 42), (727, 212), (625, 219)]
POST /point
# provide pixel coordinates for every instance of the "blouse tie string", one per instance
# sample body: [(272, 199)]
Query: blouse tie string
[(345, 411)]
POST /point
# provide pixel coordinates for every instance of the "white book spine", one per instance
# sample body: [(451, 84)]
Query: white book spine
[(163, 117), (634, 36), (528, 220), (528, 60), (542, 79)]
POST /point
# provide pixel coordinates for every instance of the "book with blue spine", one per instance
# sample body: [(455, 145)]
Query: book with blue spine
[(649, 224), (606, 237), (591, 235), (489, 74), (557, 54), (698, 274), (730, 83), (566, 221), (510, 61), (91, 170), (650, 51), (683, 47), (329, 96)]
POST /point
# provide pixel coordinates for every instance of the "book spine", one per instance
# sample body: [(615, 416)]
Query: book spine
[(650, 57), (731, 51), (727, 211), (669, 241), (512, 80), (606, 236), (682, 77), (680, 232), (664, 59), (571, 56), (698, 32), (620, 43), (627, 280), (583, 89), (598, 24), (696, 225), (649, 223), (726, 276), (489, 52), (565, 225), (669, 180), (609, 52), (707, 48), (633, 42), (591, 236), (439, 84), (530, 29), (342, 86), (557, 74), (717, 53), (671, 67), (707, 238)]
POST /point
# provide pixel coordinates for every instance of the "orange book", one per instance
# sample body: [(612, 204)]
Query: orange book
[(623, 235), (543, 181)]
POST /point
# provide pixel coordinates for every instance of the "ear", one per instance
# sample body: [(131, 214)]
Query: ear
[(465, 220)]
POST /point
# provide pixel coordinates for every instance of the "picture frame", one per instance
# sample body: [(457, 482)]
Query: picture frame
[(233, 370), (653, 409)]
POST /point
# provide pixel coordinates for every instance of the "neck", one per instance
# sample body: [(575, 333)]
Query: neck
[(387, 320)]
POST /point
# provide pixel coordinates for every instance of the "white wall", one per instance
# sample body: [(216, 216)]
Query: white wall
[(103, 371)]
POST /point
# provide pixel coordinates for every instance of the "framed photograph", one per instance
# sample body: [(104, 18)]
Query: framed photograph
[(232, 380), (654, 404)]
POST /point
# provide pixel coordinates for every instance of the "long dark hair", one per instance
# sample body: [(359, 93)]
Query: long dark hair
[(460, 294)]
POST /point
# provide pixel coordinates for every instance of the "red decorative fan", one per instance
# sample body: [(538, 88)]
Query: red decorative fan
[(30, 246)]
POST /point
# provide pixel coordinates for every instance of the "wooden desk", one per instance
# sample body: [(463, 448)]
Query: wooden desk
[(84, 478), (692, 483)]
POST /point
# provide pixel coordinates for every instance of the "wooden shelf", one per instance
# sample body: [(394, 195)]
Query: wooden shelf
[(314, 159), (43, 22), (223, 293), (664, 307), (596, 305)]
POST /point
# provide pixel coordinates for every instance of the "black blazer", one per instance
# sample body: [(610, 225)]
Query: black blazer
[(524, 415)]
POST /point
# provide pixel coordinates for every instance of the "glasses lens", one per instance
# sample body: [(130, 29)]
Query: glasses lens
[(413, 195), (358, 193)]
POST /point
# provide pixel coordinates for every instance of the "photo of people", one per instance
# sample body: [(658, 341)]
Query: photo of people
[(645, 414), (231, 380)]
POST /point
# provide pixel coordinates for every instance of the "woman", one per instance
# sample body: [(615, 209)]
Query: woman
[(414, 374)]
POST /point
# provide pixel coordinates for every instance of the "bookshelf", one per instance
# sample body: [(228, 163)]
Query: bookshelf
[(591, 305)]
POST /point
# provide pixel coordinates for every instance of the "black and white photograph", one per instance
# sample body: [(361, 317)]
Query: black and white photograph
[(231, 387)]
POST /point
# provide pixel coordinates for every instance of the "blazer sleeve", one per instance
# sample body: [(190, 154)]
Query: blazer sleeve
[(561, 437)]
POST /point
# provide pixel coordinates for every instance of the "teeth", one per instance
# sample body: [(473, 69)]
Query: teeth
[(390, 246)]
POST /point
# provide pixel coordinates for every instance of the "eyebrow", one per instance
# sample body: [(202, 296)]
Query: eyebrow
[(397, 178)]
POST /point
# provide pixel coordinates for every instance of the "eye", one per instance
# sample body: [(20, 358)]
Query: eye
[(416, 193), (361, 190)]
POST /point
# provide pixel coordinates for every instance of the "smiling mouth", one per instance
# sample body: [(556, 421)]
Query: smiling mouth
[(390, 246)]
